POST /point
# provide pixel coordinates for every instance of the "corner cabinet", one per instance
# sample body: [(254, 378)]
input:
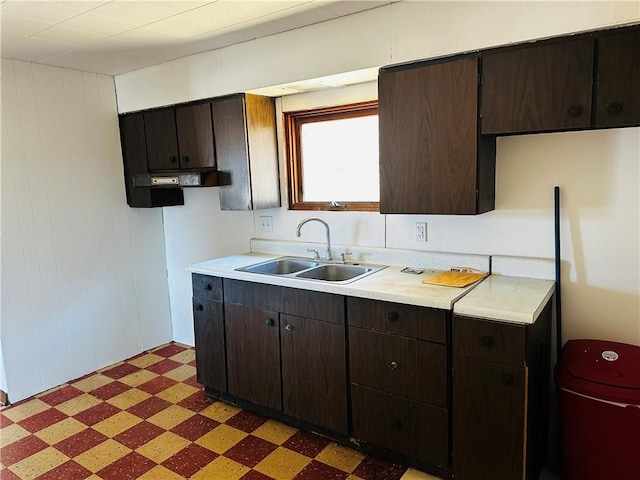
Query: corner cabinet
[(432, 159), (500, 397), (246, 146), (134, 155), (228, 142)]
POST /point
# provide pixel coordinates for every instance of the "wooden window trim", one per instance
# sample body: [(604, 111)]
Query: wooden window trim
[(293, 122)]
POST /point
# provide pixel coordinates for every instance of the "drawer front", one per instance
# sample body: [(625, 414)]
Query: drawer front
[(497, 342), (399, 365), (400, 425), (417, 322), (207, 287), (303, 303)]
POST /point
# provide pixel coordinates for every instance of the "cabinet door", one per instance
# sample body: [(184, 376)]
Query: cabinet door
[(537, 88), (134, 156), (428, 138), (618, 83), (488, 420), (162, 142), (314, 376), (208, 323), (195, 136), (253, 355), (229, 125)]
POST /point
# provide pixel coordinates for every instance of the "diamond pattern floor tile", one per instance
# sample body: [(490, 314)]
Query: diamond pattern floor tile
[(147, 418)]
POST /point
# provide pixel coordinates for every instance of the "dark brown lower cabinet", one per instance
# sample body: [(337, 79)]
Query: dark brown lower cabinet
[(314, 377), (208, 321), (253, 355), (489, 423), (411, 428), (500, 403)]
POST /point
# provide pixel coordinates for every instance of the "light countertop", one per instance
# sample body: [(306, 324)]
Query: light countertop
[(497, 297), (388, 284)]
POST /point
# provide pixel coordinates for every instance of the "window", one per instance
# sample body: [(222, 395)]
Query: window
[(332, 156)]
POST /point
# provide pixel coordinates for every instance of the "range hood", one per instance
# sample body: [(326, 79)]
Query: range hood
[(211, 178)]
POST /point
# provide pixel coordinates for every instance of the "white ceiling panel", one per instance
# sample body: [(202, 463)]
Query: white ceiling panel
[(116, 36)]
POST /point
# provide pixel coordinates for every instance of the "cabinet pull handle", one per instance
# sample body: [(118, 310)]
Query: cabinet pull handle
[(506, 379), (397, 424), (185, 159), (199, 307), (486, 341), (269, 322), (575, 110), (208, 286), (393, 365), (288, 327), (614, 108), (173, 159), (392, 317)]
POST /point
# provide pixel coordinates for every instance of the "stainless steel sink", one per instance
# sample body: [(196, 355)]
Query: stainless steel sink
[(306, 269), (334, 272), (283, 266)]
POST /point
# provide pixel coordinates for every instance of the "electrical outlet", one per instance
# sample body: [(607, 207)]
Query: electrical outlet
[(421, 232), (266, 224)]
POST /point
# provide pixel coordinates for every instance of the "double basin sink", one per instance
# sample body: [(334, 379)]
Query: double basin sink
[(305, 269)]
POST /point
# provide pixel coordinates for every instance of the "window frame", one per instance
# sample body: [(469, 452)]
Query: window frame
[(293, 122)]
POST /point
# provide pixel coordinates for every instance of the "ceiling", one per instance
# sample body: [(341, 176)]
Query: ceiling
[(116, 36)]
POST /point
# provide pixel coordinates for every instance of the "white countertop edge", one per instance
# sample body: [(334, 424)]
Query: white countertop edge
[(488, 301)]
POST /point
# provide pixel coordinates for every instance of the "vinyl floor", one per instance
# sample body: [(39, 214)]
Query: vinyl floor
[(148, 418)]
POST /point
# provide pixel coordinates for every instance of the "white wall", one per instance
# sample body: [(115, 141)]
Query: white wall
[(597, 171), (84, 280)]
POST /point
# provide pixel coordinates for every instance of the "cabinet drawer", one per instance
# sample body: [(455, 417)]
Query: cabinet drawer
[(303, 303), (417, 322), (207, 287), (399, 365), (497, 342), (404, 426)]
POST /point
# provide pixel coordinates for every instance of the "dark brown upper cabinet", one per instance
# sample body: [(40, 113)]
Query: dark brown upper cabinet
[(134, 154), (432, 159), (544, 86), (247, 148), (618, 79), (180, 138)]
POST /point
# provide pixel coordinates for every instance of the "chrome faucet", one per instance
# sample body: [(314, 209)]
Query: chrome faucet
[(326, 225)]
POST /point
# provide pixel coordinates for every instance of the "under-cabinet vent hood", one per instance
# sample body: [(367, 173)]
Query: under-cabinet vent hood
[(212, 178)]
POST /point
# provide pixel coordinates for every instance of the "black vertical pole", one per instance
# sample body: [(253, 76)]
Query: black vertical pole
[(556, 211)]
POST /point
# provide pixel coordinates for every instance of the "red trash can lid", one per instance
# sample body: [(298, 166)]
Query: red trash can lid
[(600, 368)]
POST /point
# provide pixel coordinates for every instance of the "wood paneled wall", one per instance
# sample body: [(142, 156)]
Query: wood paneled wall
[(84, 280)]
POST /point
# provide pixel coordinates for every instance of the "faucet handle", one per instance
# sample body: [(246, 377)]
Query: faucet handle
[(342, 255), (316, 255)]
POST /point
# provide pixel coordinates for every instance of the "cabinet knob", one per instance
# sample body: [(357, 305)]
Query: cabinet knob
[(393, 365), (173, 159), (397, 424), (185, 159), (392, 317), (288, 327), (614, 108), (208, 286), (506, 379), (574, 111), (486, 341), (199, 307), (269, 322)]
